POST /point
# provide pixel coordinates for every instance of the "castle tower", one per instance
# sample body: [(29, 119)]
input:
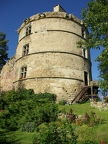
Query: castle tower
[(47, 57)]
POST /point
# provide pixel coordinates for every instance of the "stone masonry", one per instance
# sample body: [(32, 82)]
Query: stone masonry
[(52, 62)]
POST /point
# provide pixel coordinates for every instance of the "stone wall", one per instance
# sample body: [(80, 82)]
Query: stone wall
[(99, 105), (8, 75), (54, 63)]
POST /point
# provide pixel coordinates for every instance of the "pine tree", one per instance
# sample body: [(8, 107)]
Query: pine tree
[(3, 49)]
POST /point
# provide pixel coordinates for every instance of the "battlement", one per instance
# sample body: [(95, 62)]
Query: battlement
[(55, 14)]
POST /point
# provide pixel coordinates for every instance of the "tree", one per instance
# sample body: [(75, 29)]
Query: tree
[(3, 49), (95, 19)]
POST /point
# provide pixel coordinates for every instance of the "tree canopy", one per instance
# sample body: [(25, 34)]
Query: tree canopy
[(3, 49), (95, 18)]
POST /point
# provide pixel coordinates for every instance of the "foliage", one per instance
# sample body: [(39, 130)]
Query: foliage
[(6, 137), (14, 105), (62, 102), (85, 133), (103, 62), (95, 18), (56, 134), (43, 113), (20, 107), (70, 116), (91, 119), (28, 127), (105, 98), (3, 49), (46, 97), (89, 142)]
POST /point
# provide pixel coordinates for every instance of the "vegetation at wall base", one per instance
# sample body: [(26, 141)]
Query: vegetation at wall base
[(26, 119), (20, 107)]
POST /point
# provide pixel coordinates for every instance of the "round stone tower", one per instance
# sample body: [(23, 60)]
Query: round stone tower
[(47, 57)]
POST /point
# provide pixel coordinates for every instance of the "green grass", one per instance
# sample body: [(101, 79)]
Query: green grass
[(17, 137), (96, 133), (81, 109)]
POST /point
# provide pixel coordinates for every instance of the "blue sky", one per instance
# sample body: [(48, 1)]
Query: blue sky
[(13, 12)]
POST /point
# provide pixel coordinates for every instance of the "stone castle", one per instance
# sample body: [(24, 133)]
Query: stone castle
[(47, 58)]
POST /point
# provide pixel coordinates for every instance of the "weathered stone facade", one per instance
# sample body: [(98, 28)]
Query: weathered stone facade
[(8, 75), (52, 62)]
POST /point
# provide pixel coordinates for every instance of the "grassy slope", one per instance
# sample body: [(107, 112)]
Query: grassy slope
[(97, 133)]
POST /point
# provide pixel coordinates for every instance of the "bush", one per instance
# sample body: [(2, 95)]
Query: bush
[(28, 127), (23, 106), (45, 97), (70, 116), (45, 113), (62, 102), (91, 119), (55, 134)]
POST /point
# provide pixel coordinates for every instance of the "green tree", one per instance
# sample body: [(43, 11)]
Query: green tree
[(3, 49), (95, 19)]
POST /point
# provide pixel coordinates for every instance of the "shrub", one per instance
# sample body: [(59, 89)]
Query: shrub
[(49, 112), (70, 116), (89, 119), (23, 106), (44, 113), (105, 98), (94, 119), (62, 102), (28, 127), (56, 134), (45, 97)]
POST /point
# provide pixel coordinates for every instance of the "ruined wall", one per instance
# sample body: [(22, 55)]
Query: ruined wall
[(8, 75)]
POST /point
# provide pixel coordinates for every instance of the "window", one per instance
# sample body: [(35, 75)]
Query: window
[(83, 33), (28, 30), (23, 72), (26, 49), (85, 53)]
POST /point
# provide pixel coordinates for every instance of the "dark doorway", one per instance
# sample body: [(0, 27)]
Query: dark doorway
[(86, 78)]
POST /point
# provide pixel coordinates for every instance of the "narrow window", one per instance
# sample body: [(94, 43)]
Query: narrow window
[(86, 78), (23, 72), (83, 33), (28, 30), (25, 50), (85, 53)]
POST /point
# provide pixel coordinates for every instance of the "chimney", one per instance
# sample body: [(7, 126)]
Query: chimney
[(58, 8)]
